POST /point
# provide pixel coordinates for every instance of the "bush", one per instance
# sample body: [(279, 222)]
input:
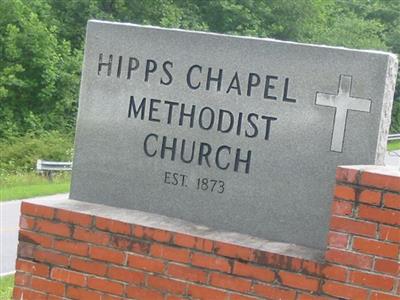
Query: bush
[(19, 154), (395, 125)]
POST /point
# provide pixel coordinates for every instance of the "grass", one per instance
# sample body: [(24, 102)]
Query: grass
[(394, 145), (27, 185), (6, 287)]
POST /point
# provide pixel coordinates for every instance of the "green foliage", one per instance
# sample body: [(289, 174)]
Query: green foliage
[(348, 31), (395, 126), (38, 72), (6, 287), (41, 42), (19, 154)]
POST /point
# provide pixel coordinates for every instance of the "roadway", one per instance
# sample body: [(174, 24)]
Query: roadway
[(393, 158), (9, 219)]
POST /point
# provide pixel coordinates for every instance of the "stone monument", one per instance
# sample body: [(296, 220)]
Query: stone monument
[(235, 133)]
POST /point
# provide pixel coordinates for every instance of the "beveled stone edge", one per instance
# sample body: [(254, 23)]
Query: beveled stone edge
[(180, 226)]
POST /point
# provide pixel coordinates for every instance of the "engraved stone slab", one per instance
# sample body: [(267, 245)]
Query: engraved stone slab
[(235, 133)]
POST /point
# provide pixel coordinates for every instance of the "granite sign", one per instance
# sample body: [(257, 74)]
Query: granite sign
[(235, 133)]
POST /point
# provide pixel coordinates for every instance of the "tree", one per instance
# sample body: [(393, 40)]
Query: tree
[(38, 73)]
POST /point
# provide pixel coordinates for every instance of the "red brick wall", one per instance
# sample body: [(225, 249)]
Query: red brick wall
[(66, 254)]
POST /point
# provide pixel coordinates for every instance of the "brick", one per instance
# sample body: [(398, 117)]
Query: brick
[(370, 197), (389, 233), (25, 250), (52, 257), (377, 282), (104, 285), (189, 241), (381, 181), (312, 268), (71, 246), (298, 281), (334, 272), (32, 267), (234, 251), (349, 259), (88, 266), (126, 275), (52, 297), (35, 238), (166, 285), (143, 293), (172, 297), (22, 279), (26, 222), (278, 261), (311, 297), (152, 234), (107, 254), (113, 226), (342, 208), (37, 210), (391, 200), (381, 296), (253, 271), (17, 293), (48, 286), (73, 217), (91, 236), (59, 229), (20, 293), (140, 247), (344, 291), (273, 292), (242, 297), (345, 192), (170, 253), (145, 263), (381, 215), (67, 276), (387, 266), (111, 297), (120, 242), (338, 240), (206, 293), (375, 247), (80, 293), (187, 273), (211, 262), (353, 226), (346, 174), (230, 282)]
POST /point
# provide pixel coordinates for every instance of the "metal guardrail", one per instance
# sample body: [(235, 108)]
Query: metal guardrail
[(44, 165), (394, 137), (48, 167)]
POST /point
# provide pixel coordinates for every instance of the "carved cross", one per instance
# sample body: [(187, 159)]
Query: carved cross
[(342, 102)]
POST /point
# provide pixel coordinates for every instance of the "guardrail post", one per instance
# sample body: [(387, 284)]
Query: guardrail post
[(50, 176)]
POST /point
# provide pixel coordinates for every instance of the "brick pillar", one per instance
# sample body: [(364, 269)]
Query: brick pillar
[(364, 234)]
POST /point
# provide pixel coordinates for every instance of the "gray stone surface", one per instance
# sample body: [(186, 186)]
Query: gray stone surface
[(176, 225), (314, 107)]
